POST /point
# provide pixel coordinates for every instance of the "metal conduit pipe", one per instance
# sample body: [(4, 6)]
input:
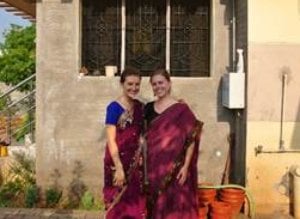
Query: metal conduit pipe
[(282, 112), (238, 152), (259, 150), (233, 27)]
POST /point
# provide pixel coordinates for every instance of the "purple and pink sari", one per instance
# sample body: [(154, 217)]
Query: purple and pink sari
[(168, 137), (125, 202)]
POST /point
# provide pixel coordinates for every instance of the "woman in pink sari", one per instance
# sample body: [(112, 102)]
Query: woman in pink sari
[(172, 150), (122, 173)]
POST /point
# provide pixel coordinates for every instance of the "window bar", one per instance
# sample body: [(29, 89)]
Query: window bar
[(123, 30), (168, 34)]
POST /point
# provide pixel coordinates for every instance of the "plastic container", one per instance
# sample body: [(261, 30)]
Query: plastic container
[(3, 151), (295, 171)]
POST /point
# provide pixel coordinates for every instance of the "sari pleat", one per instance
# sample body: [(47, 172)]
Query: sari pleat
[(168, 137), (125, 202)]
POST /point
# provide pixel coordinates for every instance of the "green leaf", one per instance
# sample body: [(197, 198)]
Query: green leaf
[(17, 55)]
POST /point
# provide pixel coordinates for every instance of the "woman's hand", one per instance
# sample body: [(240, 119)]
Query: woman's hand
[(119, 177), (182, 175), (183, 172)]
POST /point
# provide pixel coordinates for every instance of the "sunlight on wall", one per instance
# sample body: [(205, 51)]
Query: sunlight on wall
[(281, 17)]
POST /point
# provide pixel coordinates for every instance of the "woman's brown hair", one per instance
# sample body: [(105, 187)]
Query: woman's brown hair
[(129, 71), (162, 72)]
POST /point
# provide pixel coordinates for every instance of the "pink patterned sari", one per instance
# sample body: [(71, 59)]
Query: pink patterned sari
[(125, 202), (168, 137)]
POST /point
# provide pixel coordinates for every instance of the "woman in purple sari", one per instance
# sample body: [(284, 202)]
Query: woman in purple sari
[(172, 150), (123, 175)]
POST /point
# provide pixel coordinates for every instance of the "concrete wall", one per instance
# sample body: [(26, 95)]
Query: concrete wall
[(273, 49), (70, 112)]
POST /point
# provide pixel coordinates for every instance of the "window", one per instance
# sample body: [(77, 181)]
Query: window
[(147, 34)]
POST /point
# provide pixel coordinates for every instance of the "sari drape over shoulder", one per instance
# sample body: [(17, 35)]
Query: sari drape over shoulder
[(125, 202), (168, 137)]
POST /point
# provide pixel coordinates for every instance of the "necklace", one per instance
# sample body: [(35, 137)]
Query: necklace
[(128, 105), (127, 116)]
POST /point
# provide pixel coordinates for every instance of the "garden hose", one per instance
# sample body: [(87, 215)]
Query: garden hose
[(249, 197)]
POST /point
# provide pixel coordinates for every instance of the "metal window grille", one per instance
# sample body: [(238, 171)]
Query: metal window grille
[(101, 37), (147, 34), (189, 54)]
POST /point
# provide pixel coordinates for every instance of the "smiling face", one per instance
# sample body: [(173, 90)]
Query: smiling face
[(160, 85), (131, 86)]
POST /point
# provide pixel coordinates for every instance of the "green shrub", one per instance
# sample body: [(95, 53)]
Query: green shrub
[(1, 177), (18, 189), (31, 196), (23, 169), (99, 205), (3, 101), (9, 193), (53, 196), (87, 201), (77, 187)]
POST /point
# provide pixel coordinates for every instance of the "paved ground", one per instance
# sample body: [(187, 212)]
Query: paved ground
[(36, 213), (22, 213)]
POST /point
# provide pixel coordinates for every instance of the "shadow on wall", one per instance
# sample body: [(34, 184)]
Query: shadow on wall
[(75, 190), (102, 136), (77, 186), (228, 11), (227, 21), (295, 142)]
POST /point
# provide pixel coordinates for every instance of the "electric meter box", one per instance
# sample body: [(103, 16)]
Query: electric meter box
[(233, 90)]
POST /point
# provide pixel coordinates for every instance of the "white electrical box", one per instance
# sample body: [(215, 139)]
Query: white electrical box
[(233, 90)]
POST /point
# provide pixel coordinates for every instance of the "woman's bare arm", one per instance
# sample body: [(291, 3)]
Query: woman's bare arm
[(182, 175), (119, 178)]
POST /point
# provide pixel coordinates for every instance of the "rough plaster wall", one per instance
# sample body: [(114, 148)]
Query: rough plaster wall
[(273, 50), (70, 112)]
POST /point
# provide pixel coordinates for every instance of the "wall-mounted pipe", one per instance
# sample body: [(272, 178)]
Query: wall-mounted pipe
[(282, 112), (238, 150), (259, 150), (233, 29)]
